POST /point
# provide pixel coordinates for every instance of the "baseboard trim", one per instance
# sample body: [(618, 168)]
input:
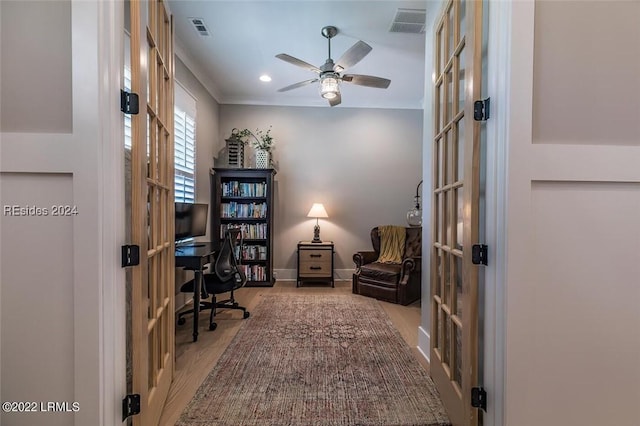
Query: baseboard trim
[(186, 301), (284, 275), (292, 274), (424, 343)]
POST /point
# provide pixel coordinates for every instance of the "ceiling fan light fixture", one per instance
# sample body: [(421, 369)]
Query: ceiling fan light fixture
[(330, 76), (329, 86)]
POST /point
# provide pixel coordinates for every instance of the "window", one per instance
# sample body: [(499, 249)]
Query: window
[(127, 117), (184, 136), (185, 145)]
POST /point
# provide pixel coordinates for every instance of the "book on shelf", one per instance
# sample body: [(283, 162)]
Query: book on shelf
[(254, 252), (235, 188), (254, 272), (235, 209), (250, 231)]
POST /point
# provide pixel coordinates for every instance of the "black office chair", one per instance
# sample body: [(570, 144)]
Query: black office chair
[(227, 277)]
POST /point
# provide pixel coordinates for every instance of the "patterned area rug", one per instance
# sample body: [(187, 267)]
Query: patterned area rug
[(316, 360)]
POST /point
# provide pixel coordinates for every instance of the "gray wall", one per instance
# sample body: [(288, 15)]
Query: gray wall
[(207, 129), (36, 96), (362, 164), (612, 80)]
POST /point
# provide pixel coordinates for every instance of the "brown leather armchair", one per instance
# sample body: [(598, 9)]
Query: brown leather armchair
[(396, 283)]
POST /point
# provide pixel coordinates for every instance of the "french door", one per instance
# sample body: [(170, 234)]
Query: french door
[(152, 185), (455, 196)]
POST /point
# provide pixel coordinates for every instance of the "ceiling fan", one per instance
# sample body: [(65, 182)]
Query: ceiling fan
[(329, 74)]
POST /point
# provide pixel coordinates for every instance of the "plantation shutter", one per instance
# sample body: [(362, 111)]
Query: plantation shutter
[(185, 142), (127, 117)]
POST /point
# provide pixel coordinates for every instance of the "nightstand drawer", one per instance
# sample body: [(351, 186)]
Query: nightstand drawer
[(315, 256), (315, 269)]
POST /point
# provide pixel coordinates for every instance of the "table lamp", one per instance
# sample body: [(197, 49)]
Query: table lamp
[(317, 211), (414, 216)]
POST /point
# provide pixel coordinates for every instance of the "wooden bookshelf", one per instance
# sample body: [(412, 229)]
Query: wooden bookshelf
[(244, 198)]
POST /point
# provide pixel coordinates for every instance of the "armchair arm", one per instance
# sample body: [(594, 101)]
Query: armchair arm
[(409, 288), (409, 265), (363, 257)]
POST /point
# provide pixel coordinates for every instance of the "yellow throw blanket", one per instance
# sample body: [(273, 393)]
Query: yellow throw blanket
[(392, 241)]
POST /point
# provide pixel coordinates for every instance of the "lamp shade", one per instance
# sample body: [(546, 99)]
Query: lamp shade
[(317, 210)]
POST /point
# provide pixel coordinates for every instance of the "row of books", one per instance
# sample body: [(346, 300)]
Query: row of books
[(251, 252), (234, 209), (243, 189), (248, 252), (255, 272), (250, 231)]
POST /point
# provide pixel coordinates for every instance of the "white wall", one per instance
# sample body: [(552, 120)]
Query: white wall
[(362, 164), (424, 330), (573, 243), (60, 274)]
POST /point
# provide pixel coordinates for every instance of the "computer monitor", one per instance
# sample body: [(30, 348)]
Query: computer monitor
[(191, 220)]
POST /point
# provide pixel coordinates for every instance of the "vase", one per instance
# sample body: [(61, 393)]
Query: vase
[(262, 159)]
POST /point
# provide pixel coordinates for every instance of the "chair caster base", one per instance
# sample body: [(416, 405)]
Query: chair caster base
[(181, 321), (246, 315), (213, 326)]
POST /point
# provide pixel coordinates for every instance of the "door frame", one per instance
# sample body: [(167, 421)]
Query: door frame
[(113, 385), (111, 318), (97, 34), (500, 45)]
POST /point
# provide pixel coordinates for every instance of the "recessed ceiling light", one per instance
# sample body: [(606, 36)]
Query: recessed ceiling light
[(265, 78)]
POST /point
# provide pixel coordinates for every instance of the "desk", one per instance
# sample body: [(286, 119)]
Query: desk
[(195, 257)]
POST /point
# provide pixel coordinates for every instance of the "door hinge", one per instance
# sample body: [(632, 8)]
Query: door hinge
[(129, 102), (481, 109), (479, 398), (479, 254), (130, 255), (130, 405)]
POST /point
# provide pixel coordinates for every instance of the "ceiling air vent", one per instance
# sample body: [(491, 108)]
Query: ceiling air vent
[(411, 21), (198, 24)]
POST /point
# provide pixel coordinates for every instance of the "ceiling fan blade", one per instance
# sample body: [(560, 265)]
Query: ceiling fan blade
[(367, 80), (298, 62), (335, 101), (296, 85), (352, 56)]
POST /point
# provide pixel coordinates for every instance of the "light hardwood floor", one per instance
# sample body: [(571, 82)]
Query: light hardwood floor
[(194, 361)]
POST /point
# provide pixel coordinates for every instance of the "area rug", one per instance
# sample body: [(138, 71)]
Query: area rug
[(316, 360)]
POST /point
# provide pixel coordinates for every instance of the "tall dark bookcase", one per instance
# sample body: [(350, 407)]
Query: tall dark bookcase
[(244, 198)]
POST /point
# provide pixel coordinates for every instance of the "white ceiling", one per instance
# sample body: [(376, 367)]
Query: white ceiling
[(245, 36)]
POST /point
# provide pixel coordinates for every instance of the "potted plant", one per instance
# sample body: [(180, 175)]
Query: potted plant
[(262, 143)]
